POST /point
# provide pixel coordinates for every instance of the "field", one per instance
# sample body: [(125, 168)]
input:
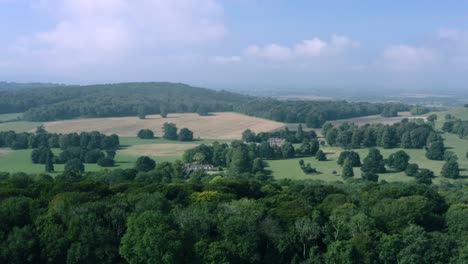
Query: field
[(290, 168), (216, 126)]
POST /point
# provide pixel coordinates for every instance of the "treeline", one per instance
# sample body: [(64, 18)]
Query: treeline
[(85, 147), (141, 99), (456, 126), (127, 216), (315, 113), (111, 100), (297, 136), (406, 134)]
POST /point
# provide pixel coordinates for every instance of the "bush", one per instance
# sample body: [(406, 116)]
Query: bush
[(145, 134), (75, 166), (185, 134), (144, 163), (106, 162), (412, 169)]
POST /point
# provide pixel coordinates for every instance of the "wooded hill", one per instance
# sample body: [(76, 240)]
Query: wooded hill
[(131, 99)]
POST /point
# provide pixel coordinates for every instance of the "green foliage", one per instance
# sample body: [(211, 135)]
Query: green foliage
[(74, 166), (347, 169), (170, 131), (450, 169), (106, 162), (353, 157), (370, 176), (145, 134), (436, 150), (144, 164), (420, 110), (411, 169), (373, 162), (424, 176), (399, 160), (185, 134), (320, 156)]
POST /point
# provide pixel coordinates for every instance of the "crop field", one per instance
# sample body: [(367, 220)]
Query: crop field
[(216, 126)]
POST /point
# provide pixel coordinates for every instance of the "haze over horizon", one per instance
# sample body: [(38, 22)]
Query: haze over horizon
[(237, 44)]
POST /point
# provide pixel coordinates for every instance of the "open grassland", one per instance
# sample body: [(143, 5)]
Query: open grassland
[(290, 168), (9, 117), (216, 126)]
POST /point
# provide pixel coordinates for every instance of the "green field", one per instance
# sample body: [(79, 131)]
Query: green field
[(20, 160), (9, 117), (290, 168)]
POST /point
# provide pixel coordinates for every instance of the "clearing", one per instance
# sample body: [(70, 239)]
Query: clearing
[(227, 125)]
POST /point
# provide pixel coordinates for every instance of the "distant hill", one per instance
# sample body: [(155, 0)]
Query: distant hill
[(6, 86), (132, 99)]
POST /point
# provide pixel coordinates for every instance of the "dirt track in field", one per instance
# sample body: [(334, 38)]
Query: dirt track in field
[(216, 126)]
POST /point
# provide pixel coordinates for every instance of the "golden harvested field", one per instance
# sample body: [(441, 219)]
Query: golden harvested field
[(157, 150), (216, 126)]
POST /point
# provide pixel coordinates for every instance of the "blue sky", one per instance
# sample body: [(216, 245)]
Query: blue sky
[(237, 43)]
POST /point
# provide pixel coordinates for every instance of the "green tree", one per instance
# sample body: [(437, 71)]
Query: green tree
[(249, 136), (411, 169), (150, 239), (145, 134), (353, 157), (370, 176), (287, 150), (424, 176), (299, 133), (106, 162), (49, 165), (163, 112), (320, 156), (373, 162), (185, 134), (144, 164), (347, 172), (398, 160), (436, 150), (170, 131), (451, 169), (75, 166)]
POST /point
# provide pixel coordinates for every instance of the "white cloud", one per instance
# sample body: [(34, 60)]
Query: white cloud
[(98, 31), (226, 59), (404, 57), (314, 47)]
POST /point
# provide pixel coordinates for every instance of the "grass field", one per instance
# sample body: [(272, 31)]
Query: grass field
[(216, 126), (8, 117)]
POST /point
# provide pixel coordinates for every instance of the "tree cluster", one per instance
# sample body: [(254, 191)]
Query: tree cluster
[(406, 134), (155, 216), (170, 133)]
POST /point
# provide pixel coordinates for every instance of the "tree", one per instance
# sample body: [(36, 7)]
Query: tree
[(105, 162), (144, 164), (299, 133), (248, 136), (353, 157), (202, 110), (49, 165), (411, 169), (398, 160), (163, 112), (185, 134), (75, 166), (370, 176), (150, 239), (320, 156), (145, 134), (436, 150), (287, 150), (424, 176), (347, 170), (451, 169), (373, 162), (170, 131)]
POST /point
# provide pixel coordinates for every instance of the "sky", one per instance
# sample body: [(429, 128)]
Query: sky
[(238, 44)]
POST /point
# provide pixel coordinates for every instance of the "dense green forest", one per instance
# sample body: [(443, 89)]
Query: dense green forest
[(140, 99), (159, 216)]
